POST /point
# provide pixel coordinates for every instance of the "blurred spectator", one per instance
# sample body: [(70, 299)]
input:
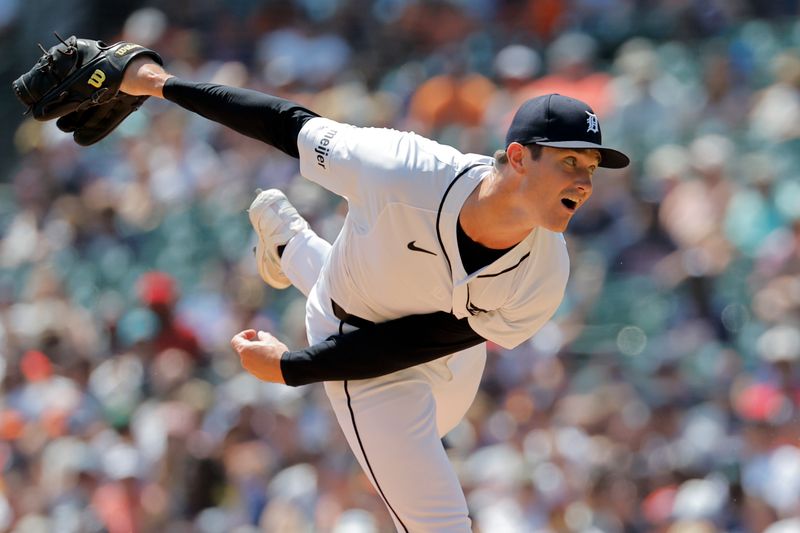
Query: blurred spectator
[(514, 66), (158, 293), (571, 70), (455, 99), (775, 112)]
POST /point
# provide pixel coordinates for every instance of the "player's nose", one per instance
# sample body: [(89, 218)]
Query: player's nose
[(584, 184)]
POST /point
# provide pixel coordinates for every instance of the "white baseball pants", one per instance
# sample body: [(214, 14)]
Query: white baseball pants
[(394, 423)]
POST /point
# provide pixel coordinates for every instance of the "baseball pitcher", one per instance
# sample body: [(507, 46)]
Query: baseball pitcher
[(440, 251)]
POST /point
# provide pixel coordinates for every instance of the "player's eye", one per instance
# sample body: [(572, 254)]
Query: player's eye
[(570, 161)]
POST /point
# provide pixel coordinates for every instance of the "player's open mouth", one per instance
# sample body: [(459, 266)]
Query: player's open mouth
[(569, 204)]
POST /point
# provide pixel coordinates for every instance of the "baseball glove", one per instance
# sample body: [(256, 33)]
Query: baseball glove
[(78, 80)]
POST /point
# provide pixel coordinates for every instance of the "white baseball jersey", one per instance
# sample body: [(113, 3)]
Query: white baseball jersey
[(397, 253)]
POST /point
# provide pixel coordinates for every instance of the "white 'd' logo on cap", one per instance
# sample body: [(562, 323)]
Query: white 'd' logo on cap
[(593, 125)]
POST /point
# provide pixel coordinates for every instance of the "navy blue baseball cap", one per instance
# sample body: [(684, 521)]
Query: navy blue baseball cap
[(562, 122)]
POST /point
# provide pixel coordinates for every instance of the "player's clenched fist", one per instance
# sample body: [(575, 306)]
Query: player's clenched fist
[(260, 354)]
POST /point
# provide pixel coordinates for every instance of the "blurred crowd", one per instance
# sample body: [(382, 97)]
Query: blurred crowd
[(664, 396)]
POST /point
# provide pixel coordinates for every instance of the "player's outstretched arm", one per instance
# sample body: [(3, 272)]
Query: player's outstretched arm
[(364, 353), (270, 119)]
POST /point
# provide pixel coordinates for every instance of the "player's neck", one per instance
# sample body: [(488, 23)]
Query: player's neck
[(491, 216)]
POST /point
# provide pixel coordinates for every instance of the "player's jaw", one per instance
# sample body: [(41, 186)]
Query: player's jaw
[(563, 205), (560, 210)]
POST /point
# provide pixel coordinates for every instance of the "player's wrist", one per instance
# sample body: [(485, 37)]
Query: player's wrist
[(144, 77)]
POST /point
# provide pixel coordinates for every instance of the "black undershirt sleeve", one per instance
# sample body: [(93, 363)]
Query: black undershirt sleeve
[(270, 119), (390, 346), (379, 349)]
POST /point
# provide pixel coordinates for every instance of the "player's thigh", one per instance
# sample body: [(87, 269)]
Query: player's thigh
[(390, 423)]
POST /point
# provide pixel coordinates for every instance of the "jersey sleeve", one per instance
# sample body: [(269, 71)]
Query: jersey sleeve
[(529, 308), (354, 162)]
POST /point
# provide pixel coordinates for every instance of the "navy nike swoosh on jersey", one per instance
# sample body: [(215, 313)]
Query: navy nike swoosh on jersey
[(413, 247)]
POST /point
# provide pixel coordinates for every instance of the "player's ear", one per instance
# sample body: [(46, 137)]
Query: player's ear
[(516, 156)]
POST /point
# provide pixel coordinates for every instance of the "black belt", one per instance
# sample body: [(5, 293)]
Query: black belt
[(347, 318)]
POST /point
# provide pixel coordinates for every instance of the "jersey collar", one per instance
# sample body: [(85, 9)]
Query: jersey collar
[(447, 219)]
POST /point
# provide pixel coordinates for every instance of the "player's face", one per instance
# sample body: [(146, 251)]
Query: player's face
[(559, 183)]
